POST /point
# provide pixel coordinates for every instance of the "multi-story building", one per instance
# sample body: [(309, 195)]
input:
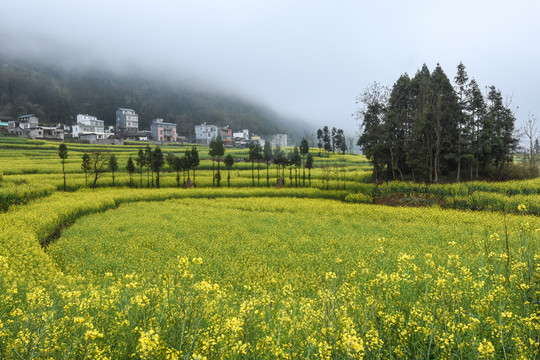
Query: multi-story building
[(127, 120), (226, 136), (88, 124), (163, 131), (204, 133), (23, 124)]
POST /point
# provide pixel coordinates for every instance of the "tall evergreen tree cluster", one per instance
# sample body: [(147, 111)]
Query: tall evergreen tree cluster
[(424, 129), (330, 140)]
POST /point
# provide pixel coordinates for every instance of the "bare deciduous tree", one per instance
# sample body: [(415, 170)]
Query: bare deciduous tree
[(311, 138), (531, 132), (350, 143), (98, 164)]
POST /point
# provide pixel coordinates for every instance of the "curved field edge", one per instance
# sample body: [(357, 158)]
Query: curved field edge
[(36, 224), (478, 196), (275, 238), (468, 312)]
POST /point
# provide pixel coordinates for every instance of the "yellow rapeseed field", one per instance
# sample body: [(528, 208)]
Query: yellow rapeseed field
[(263, 274)]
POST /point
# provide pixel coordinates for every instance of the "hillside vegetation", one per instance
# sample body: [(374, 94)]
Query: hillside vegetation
[(57, 95)]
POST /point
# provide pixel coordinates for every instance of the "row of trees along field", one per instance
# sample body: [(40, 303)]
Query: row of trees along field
[(257, 154), (330, 140), (97, 163), (424, 129)]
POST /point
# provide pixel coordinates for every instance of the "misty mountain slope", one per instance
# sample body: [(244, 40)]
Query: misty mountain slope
[(57, 95)]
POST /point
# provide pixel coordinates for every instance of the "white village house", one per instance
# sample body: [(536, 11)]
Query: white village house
[(87, 125)]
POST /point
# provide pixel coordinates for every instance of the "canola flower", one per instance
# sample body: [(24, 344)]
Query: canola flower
[(289, 278)]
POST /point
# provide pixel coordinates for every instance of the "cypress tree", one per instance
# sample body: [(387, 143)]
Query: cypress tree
[(178, 165), (130, 168), (212, 153), (194, 161), (229, 162), (113, 165), (252, 156), (141, 161), (219, 152), (267, 152), (63, 154), (304, 150), (148, 164), (309, 166), (157, 162), (86, 166)]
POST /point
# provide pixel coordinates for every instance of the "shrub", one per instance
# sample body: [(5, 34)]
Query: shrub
[(515, 172), (359, 199)]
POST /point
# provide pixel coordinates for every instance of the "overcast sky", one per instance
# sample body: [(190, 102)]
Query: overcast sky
[(307, 59)]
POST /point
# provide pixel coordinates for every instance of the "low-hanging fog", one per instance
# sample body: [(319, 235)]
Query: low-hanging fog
[(305, 59)]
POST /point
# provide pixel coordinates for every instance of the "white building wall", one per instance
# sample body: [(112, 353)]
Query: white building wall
[(205, 133), (88, 124)]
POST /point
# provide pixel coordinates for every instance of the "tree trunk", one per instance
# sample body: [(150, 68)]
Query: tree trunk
[(213, 173), (252, 173), (218, 171), (258, 173), (64, 172), (458, 178), (267, 175), (290, 176), (392, 161)]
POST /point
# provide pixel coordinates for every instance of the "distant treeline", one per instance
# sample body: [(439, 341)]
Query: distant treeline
[(56, 95), (424, 129)]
